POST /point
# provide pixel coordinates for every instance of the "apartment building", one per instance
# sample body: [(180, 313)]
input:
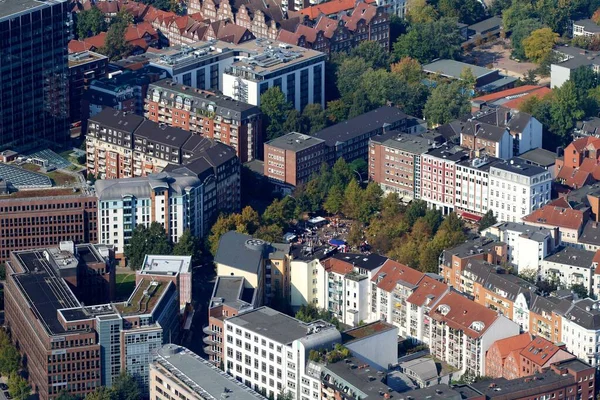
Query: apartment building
[(231, 295), (580, 330), (265, 266), (586, 28), (210, 115), (471, 187), (579, 165), (45, 217), (292, 159), (348, 277), (84, 67), (461, 332), (176, 201), (438, 176), (177, 372), (503, 357), (545, 316), (490, 139), (350, 139), (565, 222), (35, 97), (527, 245), (569, 266), (395, 163), (516, 189), (268, 351), (308, 276)]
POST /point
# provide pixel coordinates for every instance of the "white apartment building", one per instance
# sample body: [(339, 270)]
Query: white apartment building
[(581, 330), (516, 189), (348, 285), (527, 245), (308, 280), (420, 303), (471, 191), (461, 331), (569, 266), (398, 7), (174, 200), (268, 351)]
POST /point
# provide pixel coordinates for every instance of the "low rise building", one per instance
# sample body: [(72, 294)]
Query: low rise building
[(176, 371), (565, 223), (570, 58), (269, 351), (569, 266), (517, 189), (210, 115), (395, 163), (292, 159), (360, 341), (499, 352), (487, 80), (586, 28)]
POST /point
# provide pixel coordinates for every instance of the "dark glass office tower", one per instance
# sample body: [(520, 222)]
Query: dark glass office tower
[(34, 96)]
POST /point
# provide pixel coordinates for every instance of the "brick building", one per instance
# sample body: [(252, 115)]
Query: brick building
[(395, 163), (204, 113), (83, 68), (496, 356), (292, 159), (39, 218)]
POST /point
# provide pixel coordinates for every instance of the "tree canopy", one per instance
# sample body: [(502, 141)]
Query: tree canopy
[(275, 108), (539, 44), (418, 42), (89, 23), (447, 102), (18, 387), (151, 240)]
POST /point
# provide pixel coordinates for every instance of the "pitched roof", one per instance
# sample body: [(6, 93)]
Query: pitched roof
[(328, 8), (361, 11), (337, 266), (288, 37), (327, 25), (512, 343), (463, 313), (309, 33), (232, 33), (138, 31), (540, 350), (516, 104), (96, 41), (429, 290), (561, 217), (393, 272), (505, 93), (77, 46)]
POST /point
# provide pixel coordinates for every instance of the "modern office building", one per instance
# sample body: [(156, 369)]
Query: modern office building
[(268, 351), (39, 218), (176, 269), (210, 115), (292, 159), (34, 86), (178, 373), (395, 163), (75, 348), (83, 68)]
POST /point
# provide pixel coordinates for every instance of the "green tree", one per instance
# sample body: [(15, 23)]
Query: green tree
[(372, 53), (417, 43), (580, 290), (275, 108), (295, 122), (466, 11), (447, 102), (337, 111), (334, 201), (467, 78), (565, 110), (315, 117), (188, 245), (360, 104), (539, 44), (124, 387), (269, 233), (18, 387), (115, 46), (349, 75), (408, 70), (64, 395), (487, 220), (152, 240), (354, 197), (421, 12), (518, 11), (371, 200), (10, 359), (101, 393), (222, 225), (522, 30), (530, 78), (89, 23)]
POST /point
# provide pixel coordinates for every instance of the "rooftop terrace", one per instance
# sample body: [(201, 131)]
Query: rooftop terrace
[(144, 298)]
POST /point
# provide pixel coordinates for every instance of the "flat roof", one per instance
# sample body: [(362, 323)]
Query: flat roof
[(524, 387), (539, 156), (165, 265), (295, 141), (146, 295), (230, 291), (272, 324), (10, 8), (84, 57), (367, 330), (453, 69), (403, 141), (519, 167), (200, 376), (366, 379)]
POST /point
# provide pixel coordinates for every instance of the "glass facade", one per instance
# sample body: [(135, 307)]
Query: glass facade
[(34, 96)]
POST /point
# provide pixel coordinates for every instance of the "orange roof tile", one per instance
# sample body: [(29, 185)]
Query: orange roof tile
[(509, 92), (337, 266), (327, 25), (540, 350), (392, 271), (328, 8), (96, 41), (77, 46), (463, 313), (309, 33), (556, 216), (428, 288), (361, 11), (135, 32), (288, 37), (515, 104), (512, 343)]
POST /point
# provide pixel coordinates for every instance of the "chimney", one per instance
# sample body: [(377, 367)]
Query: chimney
[(507, 116)]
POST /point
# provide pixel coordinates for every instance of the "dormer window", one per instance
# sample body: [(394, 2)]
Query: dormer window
[(443, 309), (477, 326)]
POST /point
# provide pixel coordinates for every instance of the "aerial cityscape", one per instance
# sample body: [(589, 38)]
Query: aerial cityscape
[(299, 199)]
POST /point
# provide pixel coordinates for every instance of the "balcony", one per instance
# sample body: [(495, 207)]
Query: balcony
[(208, 330), (209, 340), (209, 350)]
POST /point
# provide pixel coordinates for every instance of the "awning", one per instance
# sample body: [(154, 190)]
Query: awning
[(470, 217)]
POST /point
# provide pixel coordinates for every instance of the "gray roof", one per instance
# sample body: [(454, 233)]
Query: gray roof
[(540, 157), (295, 141), (422, 367), (590, 234), (200, 376), (585, 313), (10, 7), (368, 262), (360, 125), (348, 373), (241, 251), (163, 134), (402, 141), (487, 25), (537, 233), (116, 119), (273, 324), (142, 187), (588, 25), (438, 392), (449, 152), (572, 256), (515, 120), (517, 166), (485, 131), (453, 69), (230, 291)]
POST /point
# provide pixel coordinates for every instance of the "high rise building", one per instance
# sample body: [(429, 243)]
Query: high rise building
[(34, 72)]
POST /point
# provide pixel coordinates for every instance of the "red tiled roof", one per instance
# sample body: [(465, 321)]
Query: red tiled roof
[(108, 7), (463, 313), (512, 343), (392, 271), (540, 350), (428, 288), (556, 216), (561, 202), (337, 266), (573, 177), (135, 32), (96, 41), (328, 8), (361, 11), (309, 33), (77, 46), (515, 104), (509, 92), (327, 25), (288, 37)]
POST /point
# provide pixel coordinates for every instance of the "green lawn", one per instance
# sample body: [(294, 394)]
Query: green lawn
[(125, 285)]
